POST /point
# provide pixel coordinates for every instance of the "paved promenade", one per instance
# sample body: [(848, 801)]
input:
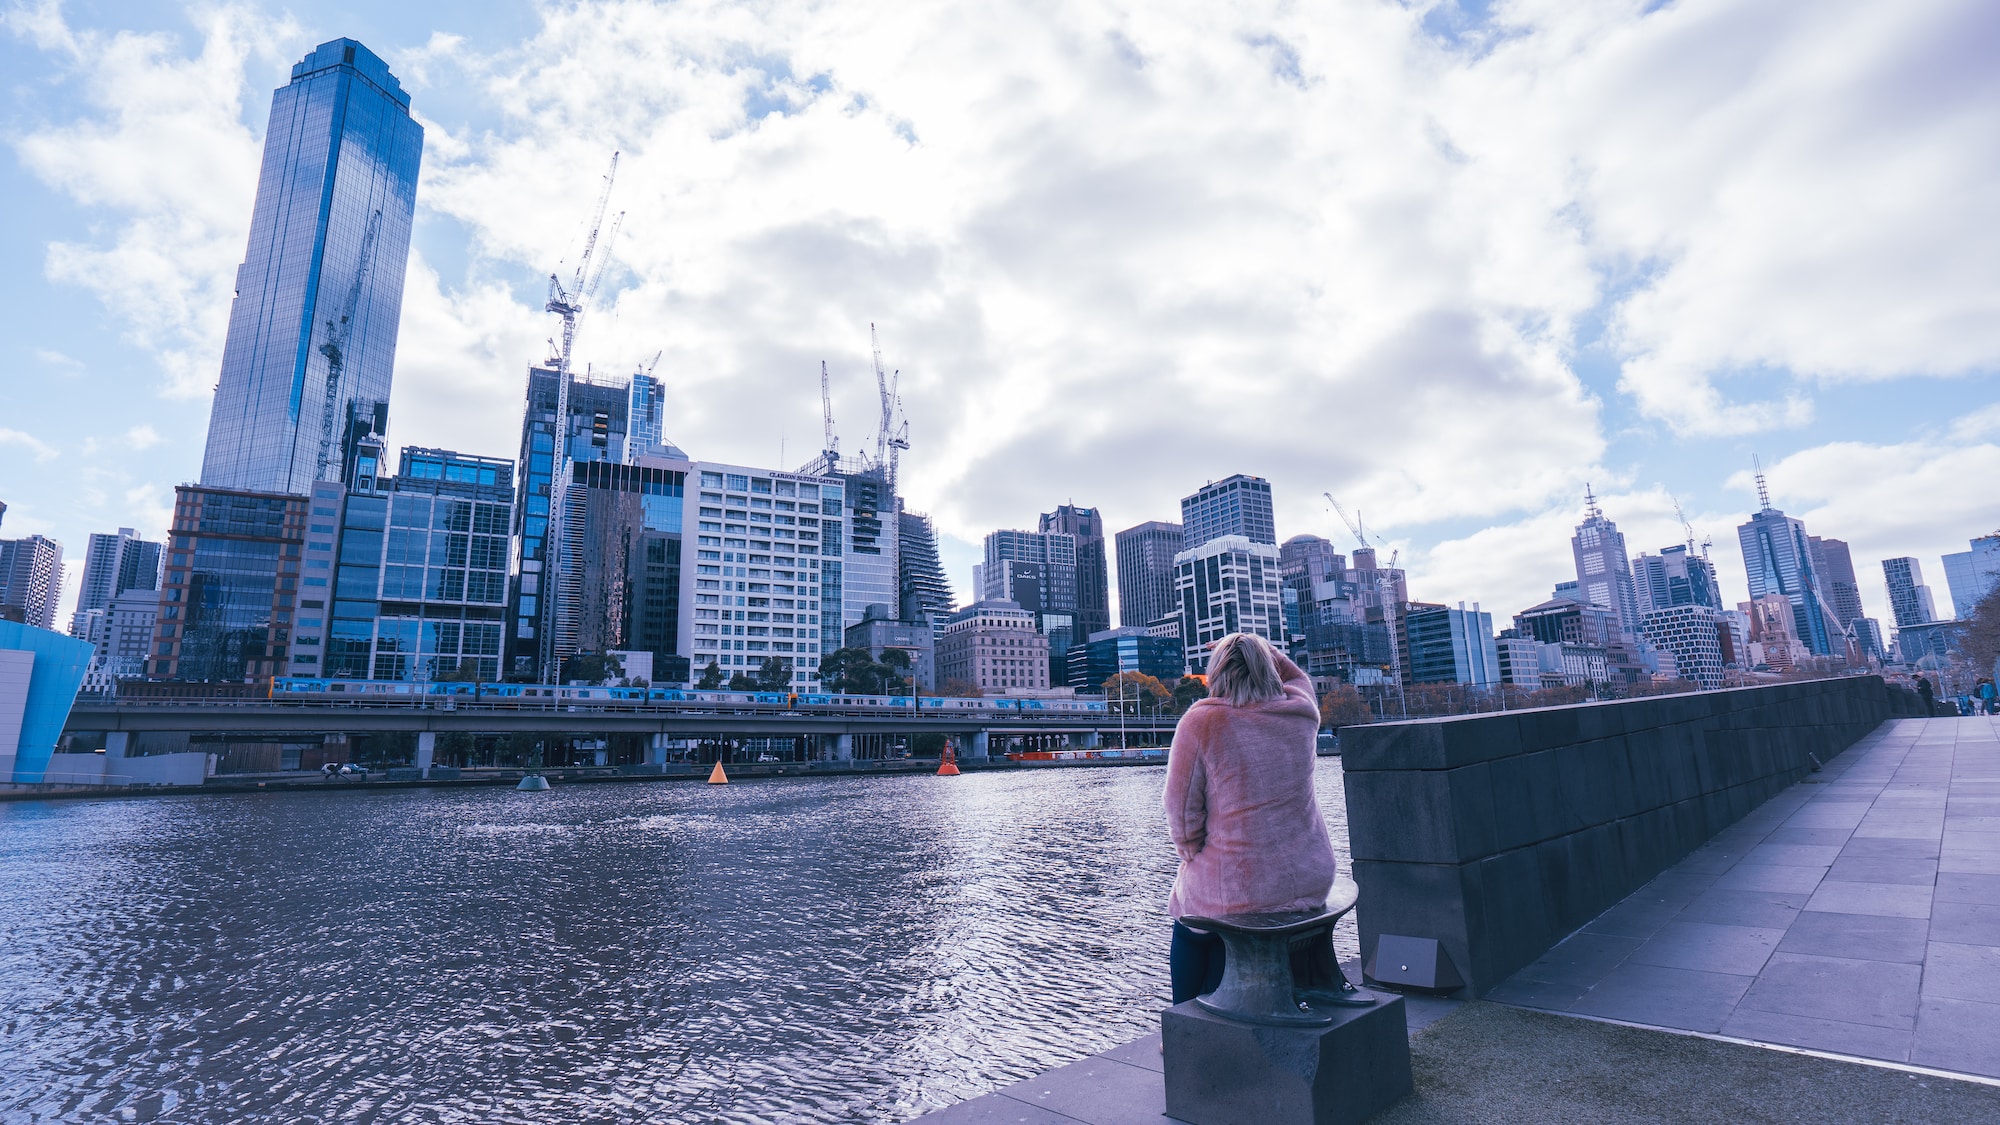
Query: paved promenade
[(1856, 913)]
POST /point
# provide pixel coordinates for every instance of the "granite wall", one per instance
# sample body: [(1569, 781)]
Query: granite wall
[(1500, 834)]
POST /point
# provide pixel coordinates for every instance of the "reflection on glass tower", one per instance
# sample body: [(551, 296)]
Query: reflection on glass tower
[(312, 333)]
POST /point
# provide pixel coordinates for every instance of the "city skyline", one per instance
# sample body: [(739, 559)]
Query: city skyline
[(1481, 497)]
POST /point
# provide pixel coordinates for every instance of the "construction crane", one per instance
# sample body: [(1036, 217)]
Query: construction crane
[(1353, 522), (1706, 543), (830, 444), (335, 347), (1385, 594), (568, 302), (890, 438)]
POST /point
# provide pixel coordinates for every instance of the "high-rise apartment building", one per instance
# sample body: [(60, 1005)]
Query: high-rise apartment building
[(306, 364), (113, 564), (1227, 585), (1603, 569), (1146, 572), (31, 578), (1093, 578), (925, 592), (1909, 599), (1972, 575), (768, 548), (1778, 559), (1693, 633), (1238, 505)]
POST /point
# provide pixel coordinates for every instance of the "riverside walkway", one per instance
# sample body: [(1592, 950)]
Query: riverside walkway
[(1855, 916)]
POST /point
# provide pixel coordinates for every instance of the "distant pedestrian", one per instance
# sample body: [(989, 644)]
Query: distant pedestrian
[(1240, 804), (1928, 694), (1989, 697)]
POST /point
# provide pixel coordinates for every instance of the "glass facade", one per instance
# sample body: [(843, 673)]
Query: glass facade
[(42, 670), (319, 296), (232, 578), (1239, 505)]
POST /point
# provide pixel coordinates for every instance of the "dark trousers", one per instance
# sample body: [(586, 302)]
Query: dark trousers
[(1195, 962)]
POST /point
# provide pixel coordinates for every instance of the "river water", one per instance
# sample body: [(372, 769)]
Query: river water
[(824, 950)]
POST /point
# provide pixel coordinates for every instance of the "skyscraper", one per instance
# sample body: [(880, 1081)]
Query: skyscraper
[(1909, 599), (31, 578), (1227, 585), (1603, 569), (1675, 576), (1093, 579), (113, 564), (1778, 559), (1238, 505), (925, 591), (312, 333), (1973, 574), (1146, 573)]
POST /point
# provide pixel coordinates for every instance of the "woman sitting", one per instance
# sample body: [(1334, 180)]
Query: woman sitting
[(1241, 810)]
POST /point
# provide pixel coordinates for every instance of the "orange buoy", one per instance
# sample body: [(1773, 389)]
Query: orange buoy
[(948, 767), (716, 776)]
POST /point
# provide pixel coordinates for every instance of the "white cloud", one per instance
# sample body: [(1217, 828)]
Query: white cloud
[(141, 437), (164, 151), (59, 363), (37, 448)]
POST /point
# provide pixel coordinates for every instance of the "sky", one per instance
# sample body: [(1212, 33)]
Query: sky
[(1451, 262)]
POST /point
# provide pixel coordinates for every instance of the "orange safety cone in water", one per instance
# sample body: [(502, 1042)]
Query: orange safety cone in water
[(948, 767), (716, 776)]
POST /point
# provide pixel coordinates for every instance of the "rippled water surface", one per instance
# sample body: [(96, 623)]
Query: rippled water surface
[(840, 949)]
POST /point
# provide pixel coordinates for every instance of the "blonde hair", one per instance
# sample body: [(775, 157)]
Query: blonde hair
[(1243, 670)]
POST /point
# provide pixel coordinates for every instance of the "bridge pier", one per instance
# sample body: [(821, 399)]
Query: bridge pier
[(656, 750), (843, 748), (1088, 740), (426, 752), (979, 747)]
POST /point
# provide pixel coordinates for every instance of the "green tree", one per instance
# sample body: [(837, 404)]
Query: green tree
[(738, 681), (852, 671), (1190, 690), (711, 678), (1981, 644), (466, 671), (1343, 707), (962, 689), (593, 668), (775, 674)]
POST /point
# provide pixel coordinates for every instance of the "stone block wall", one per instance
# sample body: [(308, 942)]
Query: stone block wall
[(1500, 834)]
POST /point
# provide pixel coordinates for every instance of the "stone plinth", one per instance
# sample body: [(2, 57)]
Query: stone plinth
[(1221, 1071)]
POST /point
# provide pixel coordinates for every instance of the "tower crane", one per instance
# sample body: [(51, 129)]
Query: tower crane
[(830, 443), (891, 438), (335, 347), (568, 302), (1385, 594), (1706, 543)]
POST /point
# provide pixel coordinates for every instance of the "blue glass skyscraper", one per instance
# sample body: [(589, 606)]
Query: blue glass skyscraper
[(312, 333)]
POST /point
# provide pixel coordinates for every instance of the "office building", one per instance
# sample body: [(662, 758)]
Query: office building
[(122, 634), (1309, 569), (1112, 651), (1603, 569), (1227, 585), (1146, 573), (1452, 646), (40, 672), (1972, 575), (1868, 637), (623, 542), (1675, 576), (1562, 621), (878, 633), (31, 578), (311, 346), (231, 582), (925, 592), (768, 553), (1519, 660), (1777, 559), (405, 577), (1093, 580), (1238, 506), (1775, 644), (993, 646), (1909, 599), (1930, 645), (1694, 634), (1834, 563), (1376, 587), (1052, 554), (113, 564)]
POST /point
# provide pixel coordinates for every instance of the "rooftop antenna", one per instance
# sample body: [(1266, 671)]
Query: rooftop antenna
[(1763, 491), (1590, 507)]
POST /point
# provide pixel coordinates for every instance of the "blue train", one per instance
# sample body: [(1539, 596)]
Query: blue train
[(317, 690)]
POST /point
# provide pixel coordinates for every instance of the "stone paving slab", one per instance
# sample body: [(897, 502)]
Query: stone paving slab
[(1856, 913)]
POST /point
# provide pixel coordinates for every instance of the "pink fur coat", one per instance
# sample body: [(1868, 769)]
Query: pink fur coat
[(1240, 805)]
